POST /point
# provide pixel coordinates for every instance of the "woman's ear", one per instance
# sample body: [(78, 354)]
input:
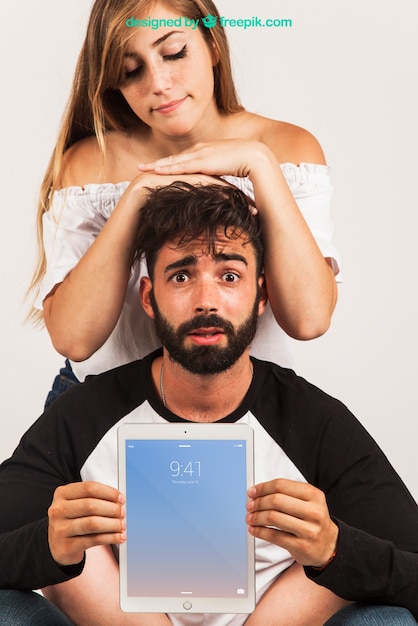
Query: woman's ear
[(145, 288)]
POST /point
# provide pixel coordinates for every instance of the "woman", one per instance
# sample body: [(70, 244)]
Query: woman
[(149, 106)]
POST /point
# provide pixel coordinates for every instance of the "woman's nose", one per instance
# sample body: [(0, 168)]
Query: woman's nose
[(159, 78)]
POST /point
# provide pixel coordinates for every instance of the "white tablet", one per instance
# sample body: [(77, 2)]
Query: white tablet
[(188, 549)]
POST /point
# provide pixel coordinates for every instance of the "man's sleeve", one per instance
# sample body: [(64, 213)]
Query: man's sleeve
[(371, 570), (377, 553), (27, 484), (25, 559)]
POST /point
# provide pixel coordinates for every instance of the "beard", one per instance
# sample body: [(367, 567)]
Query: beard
[(205, 360)]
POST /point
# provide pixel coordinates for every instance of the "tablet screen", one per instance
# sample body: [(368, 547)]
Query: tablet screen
[(187, 536)]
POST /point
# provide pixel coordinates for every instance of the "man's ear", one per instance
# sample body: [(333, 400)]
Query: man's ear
[(263, 295), (145, 288)]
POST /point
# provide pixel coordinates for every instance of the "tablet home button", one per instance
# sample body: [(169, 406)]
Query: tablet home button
[(187, 605)]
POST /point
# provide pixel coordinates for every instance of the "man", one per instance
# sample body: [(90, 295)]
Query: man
[(334, 524)]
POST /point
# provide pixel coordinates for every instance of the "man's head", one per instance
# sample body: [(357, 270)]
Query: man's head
[(204, 254), (181, 213)]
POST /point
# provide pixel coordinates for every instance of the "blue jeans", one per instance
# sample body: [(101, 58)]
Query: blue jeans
[(364, 615), (63, 381), (27, 608)]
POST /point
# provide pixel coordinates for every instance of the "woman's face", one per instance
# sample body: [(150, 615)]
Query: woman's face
[(169, 76)]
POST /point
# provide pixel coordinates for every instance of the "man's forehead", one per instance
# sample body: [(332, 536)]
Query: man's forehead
[(206, 246)]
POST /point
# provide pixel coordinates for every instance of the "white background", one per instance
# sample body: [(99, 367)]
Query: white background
[(348, 73)]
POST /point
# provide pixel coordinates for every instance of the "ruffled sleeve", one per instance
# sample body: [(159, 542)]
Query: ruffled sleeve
[(76, 217)]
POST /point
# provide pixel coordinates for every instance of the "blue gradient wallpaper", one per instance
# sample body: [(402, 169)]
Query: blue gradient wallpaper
[(186, 527)]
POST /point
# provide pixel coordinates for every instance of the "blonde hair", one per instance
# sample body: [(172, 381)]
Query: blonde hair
[(96, 105)]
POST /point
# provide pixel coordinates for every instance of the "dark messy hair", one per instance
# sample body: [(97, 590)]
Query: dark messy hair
[(182, 212)]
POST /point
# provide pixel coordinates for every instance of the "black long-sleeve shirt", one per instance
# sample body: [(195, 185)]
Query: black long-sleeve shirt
[(300, 433)]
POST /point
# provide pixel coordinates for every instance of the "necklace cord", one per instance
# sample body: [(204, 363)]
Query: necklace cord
[(162, 392), (162, 385)]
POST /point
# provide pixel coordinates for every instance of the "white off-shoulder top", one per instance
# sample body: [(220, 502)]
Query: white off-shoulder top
[(78, 214)]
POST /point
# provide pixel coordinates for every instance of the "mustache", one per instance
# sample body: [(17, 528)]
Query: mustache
[(206, 321)]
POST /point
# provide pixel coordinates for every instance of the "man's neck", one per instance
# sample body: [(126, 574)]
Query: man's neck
[(201, 398)]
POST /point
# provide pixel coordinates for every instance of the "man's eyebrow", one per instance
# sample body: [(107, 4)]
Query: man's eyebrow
[(231, 256), (191, 259), (188, 260), (154, 43)]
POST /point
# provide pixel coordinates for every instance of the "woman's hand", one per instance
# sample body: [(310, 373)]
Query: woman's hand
[(99, 280), (138, 189), (300, 283), (233, 157)]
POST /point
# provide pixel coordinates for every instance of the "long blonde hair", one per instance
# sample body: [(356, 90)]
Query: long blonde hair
[(96, 105)]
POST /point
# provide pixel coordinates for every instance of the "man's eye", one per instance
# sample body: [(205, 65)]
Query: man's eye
[(230, 277), (180, 278)]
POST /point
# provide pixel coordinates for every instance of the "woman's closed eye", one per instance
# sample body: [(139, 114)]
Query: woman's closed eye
[(137, 71), (133, 73), (176, 55)]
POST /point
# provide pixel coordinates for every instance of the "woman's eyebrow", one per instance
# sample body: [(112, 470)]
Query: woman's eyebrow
[(164, 37), (135, 55)]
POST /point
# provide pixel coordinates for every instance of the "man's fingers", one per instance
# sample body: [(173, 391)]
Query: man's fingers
[(279, 502), (84, 507), (70, 550), (293, 488), (295, 516), (277, 520), (90, 525), (88, 489), (83, 515)]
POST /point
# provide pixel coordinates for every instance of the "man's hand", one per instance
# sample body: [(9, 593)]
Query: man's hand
[(83, 515), (294, 516)]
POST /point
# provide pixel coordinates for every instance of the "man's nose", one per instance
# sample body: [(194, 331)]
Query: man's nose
[(206, 297)]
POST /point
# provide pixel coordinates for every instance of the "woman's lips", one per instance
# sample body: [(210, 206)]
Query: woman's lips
[(169, 107)]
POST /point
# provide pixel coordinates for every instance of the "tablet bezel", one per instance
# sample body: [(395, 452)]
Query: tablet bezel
[(186, 431)]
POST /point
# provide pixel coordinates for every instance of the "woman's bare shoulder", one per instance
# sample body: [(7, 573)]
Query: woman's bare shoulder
[(81, 164), (84, 162), (290, 143)]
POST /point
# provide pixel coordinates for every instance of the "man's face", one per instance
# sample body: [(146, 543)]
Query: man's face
[(205, 305)]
